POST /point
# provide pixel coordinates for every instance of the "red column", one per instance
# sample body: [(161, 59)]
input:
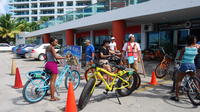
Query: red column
[(118, 31), (70, 37), (46, 38)]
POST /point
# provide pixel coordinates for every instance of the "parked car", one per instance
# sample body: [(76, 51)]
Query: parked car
[(5, 47), (22, 51), (14, 49), (38, 52)]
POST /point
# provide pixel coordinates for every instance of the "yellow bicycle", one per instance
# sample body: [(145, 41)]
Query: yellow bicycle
[(124, 82)]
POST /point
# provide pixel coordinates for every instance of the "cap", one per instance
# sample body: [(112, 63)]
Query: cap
[(113, 38), (131, 35), (86, 41)]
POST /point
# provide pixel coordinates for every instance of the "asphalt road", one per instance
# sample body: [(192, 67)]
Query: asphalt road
[(146, 99)]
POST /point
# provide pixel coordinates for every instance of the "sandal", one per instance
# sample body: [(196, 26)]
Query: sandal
[(174, 98), (54, 99)]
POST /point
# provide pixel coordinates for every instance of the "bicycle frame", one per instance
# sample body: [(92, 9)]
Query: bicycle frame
[(62, 74), (110, 86), (59, 80), (186, 82)]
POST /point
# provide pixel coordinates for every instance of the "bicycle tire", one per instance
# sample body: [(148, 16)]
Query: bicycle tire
[(129, 90), (86, 94), (25, 95), (138, 80), (160, 74), (189, 92), (87, 72), (73, 79)]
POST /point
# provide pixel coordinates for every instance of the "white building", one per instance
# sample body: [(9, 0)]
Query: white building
[(33, 10), (154, 23)]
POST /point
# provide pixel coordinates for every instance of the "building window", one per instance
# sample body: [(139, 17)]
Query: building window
[(60, 4), (160, 39), (21, 6), (101, 9), (21, 0), (47, 12), (34, 12), (83, 3), (34, 18), (34, 6), (21, 13), (69, 3), (47, 4), (60, 11), (87, 10), (182, 37)]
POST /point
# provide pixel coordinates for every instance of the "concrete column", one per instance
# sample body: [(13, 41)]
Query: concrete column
[(118, 31), (143, 38), (70, 37), (46, 38), (92, 36), (175, 38)]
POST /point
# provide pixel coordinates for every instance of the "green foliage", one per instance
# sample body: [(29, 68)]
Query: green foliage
[(9, 27)]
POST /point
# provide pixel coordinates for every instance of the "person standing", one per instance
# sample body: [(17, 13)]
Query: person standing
[(132, 48), (51, 58), (113, 45), (89, 52)]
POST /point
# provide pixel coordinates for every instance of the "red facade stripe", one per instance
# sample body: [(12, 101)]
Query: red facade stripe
[(101, 32), (133, 29), (82, 34)]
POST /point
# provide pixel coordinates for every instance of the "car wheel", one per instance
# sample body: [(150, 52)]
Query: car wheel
[(26, 55), (41, 57)]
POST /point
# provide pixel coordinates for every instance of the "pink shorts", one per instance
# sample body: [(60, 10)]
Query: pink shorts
[(52, 66)]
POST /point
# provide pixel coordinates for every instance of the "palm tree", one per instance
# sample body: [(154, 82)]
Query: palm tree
[(9, 28)]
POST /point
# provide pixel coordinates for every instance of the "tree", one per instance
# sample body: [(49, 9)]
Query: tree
[(8, 27)]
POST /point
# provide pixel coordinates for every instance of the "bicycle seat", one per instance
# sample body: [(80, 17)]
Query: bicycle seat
[(188, 71), (119, 67), (48, 71)]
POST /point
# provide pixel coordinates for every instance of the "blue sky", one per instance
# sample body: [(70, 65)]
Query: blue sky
[(3, 6)]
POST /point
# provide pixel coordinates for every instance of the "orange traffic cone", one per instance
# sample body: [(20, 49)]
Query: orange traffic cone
[(153, 79), (71, 102), (18, 81)]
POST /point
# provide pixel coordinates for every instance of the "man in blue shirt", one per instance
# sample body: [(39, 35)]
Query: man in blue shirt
[(89, 52)]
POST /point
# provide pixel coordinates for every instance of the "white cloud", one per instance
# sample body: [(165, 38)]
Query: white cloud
[(3, 6)]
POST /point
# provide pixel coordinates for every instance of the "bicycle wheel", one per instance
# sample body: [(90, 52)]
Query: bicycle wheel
[(34, 90), (132, 79), (86, 93), (90, 72), (161, 70), (138, 80), (74, 77), (194, 90)]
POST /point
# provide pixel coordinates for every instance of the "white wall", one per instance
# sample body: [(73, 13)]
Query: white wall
[(132, 11)]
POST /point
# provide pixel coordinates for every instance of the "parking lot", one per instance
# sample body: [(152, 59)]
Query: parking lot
[(146, 99)]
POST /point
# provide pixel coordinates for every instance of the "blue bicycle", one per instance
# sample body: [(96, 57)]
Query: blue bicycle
[(37, 85)]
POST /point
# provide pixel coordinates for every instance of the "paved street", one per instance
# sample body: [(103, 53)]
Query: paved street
[(145, 99)]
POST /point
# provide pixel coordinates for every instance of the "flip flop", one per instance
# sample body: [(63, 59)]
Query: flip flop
[(54, 99)]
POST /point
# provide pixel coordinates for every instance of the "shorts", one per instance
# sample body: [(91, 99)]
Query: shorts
[(103, 61), (52, 66), (187, 66)]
